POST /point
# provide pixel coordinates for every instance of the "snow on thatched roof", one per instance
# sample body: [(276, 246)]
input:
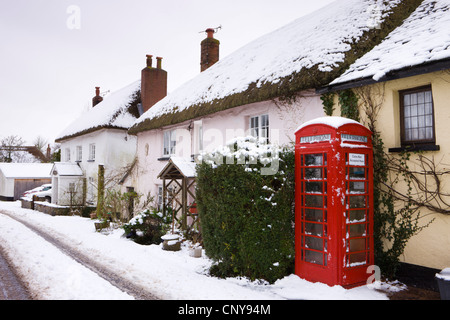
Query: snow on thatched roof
[(423, 38), (305, 54), (117, 110)]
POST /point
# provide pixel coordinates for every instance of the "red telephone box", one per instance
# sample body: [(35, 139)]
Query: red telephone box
[(334, 202)]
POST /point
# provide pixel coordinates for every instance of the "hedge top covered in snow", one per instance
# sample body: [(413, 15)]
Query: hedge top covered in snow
[(117, 110), (423, 37), (310, 51)]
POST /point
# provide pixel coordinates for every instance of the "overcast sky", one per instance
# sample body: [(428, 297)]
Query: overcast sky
[(54, 52)]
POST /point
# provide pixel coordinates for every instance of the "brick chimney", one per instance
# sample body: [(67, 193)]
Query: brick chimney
[(209, 50), (97, 99), (153, 83)]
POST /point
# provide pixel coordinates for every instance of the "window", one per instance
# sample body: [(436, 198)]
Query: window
[(198, 136), (92, 152), (417, 116), (67, 156), (169, 142), (79, 153), (259, 127)]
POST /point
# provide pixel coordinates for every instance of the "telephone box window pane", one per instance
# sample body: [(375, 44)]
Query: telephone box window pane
[(314, 201), (357, 216), (311, 174), (356, 259), (357, 187), (313, 229), (314, 243), (313, 160), (358, 202), (314, 187), (314, 257), (356, 245), (314, 215), (357, 173), (357, 230)]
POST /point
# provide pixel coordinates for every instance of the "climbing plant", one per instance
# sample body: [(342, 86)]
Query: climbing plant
[(328, 103), (348, 102), (396, 205)]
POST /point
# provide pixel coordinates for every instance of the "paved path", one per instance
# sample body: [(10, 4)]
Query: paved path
[(10, 286)]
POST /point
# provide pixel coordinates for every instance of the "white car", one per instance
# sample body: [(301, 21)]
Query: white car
[(44, 191)]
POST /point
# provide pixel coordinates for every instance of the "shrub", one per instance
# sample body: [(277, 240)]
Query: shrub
[(246, 216), (147, 227)]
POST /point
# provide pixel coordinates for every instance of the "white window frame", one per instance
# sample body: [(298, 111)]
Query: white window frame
[(67, 154), (198, 136), (80, 153), (259, 126), (92, 152), (169, 142)]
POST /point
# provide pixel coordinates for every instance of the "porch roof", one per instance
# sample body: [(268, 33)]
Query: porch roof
[(178, 168), (66, 169)]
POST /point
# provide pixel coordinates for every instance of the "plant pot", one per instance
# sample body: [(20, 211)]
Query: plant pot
[(443, 280), (195, 252), (101, 225), (171, 242)]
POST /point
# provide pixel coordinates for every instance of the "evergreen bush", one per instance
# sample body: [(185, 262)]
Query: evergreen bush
[(148, 227), (246, 209)]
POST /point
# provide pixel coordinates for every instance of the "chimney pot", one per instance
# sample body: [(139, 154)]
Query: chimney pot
[(149, 60), (158, 62), (210, 32)]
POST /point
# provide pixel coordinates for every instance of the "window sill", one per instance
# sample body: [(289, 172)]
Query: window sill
[(164, 159), (423, 147), (91, 161)]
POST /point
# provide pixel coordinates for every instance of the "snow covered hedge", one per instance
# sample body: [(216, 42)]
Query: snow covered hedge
[(246, 214)]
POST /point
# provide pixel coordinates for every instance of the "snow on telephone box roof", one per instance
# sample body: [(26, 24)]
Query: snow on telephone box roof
[(424, 37), (335, 122), (307, 53)]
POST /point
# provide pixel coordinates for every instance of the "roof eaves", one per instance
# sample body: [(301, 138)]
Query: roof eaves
[(87, 131), (393, 75)]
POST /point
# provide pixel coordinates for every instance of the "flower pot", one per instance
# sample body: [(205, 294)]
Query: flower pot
[(443, 280), (101, 225), (195, 252), (171, 242)]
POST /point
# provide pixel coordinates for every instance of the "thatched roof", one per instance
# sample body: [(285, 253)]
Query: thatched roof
[(307, 53)]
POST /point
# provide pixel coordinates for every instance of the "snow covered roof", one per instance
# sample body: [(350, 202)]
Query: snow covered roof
[(26, 170), (309, 52), (424, 37), (178, 165), (66, 169), (117, 110)]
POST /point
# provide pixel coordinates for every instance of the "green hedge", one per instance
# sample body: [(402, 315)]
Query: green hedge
[(247, 217)]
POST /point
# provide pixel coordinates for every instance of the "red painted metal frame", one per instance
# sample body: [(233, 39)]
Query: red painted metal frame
[(337, 269)]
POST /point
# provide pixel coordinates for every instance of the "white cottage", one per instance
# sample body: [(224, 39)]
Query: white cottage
[(99, 136)]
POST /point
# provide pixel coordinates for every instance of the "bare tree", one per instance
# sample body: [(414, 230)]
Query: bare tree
[(8, 148)]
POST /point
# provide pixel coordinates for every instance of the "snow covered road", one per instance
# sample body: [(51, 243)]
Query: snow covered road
[(110, 276), (51, 255)]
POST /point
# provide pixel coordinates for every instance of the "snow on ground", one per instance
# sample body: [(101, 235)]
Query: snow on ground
[(52, 275)]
